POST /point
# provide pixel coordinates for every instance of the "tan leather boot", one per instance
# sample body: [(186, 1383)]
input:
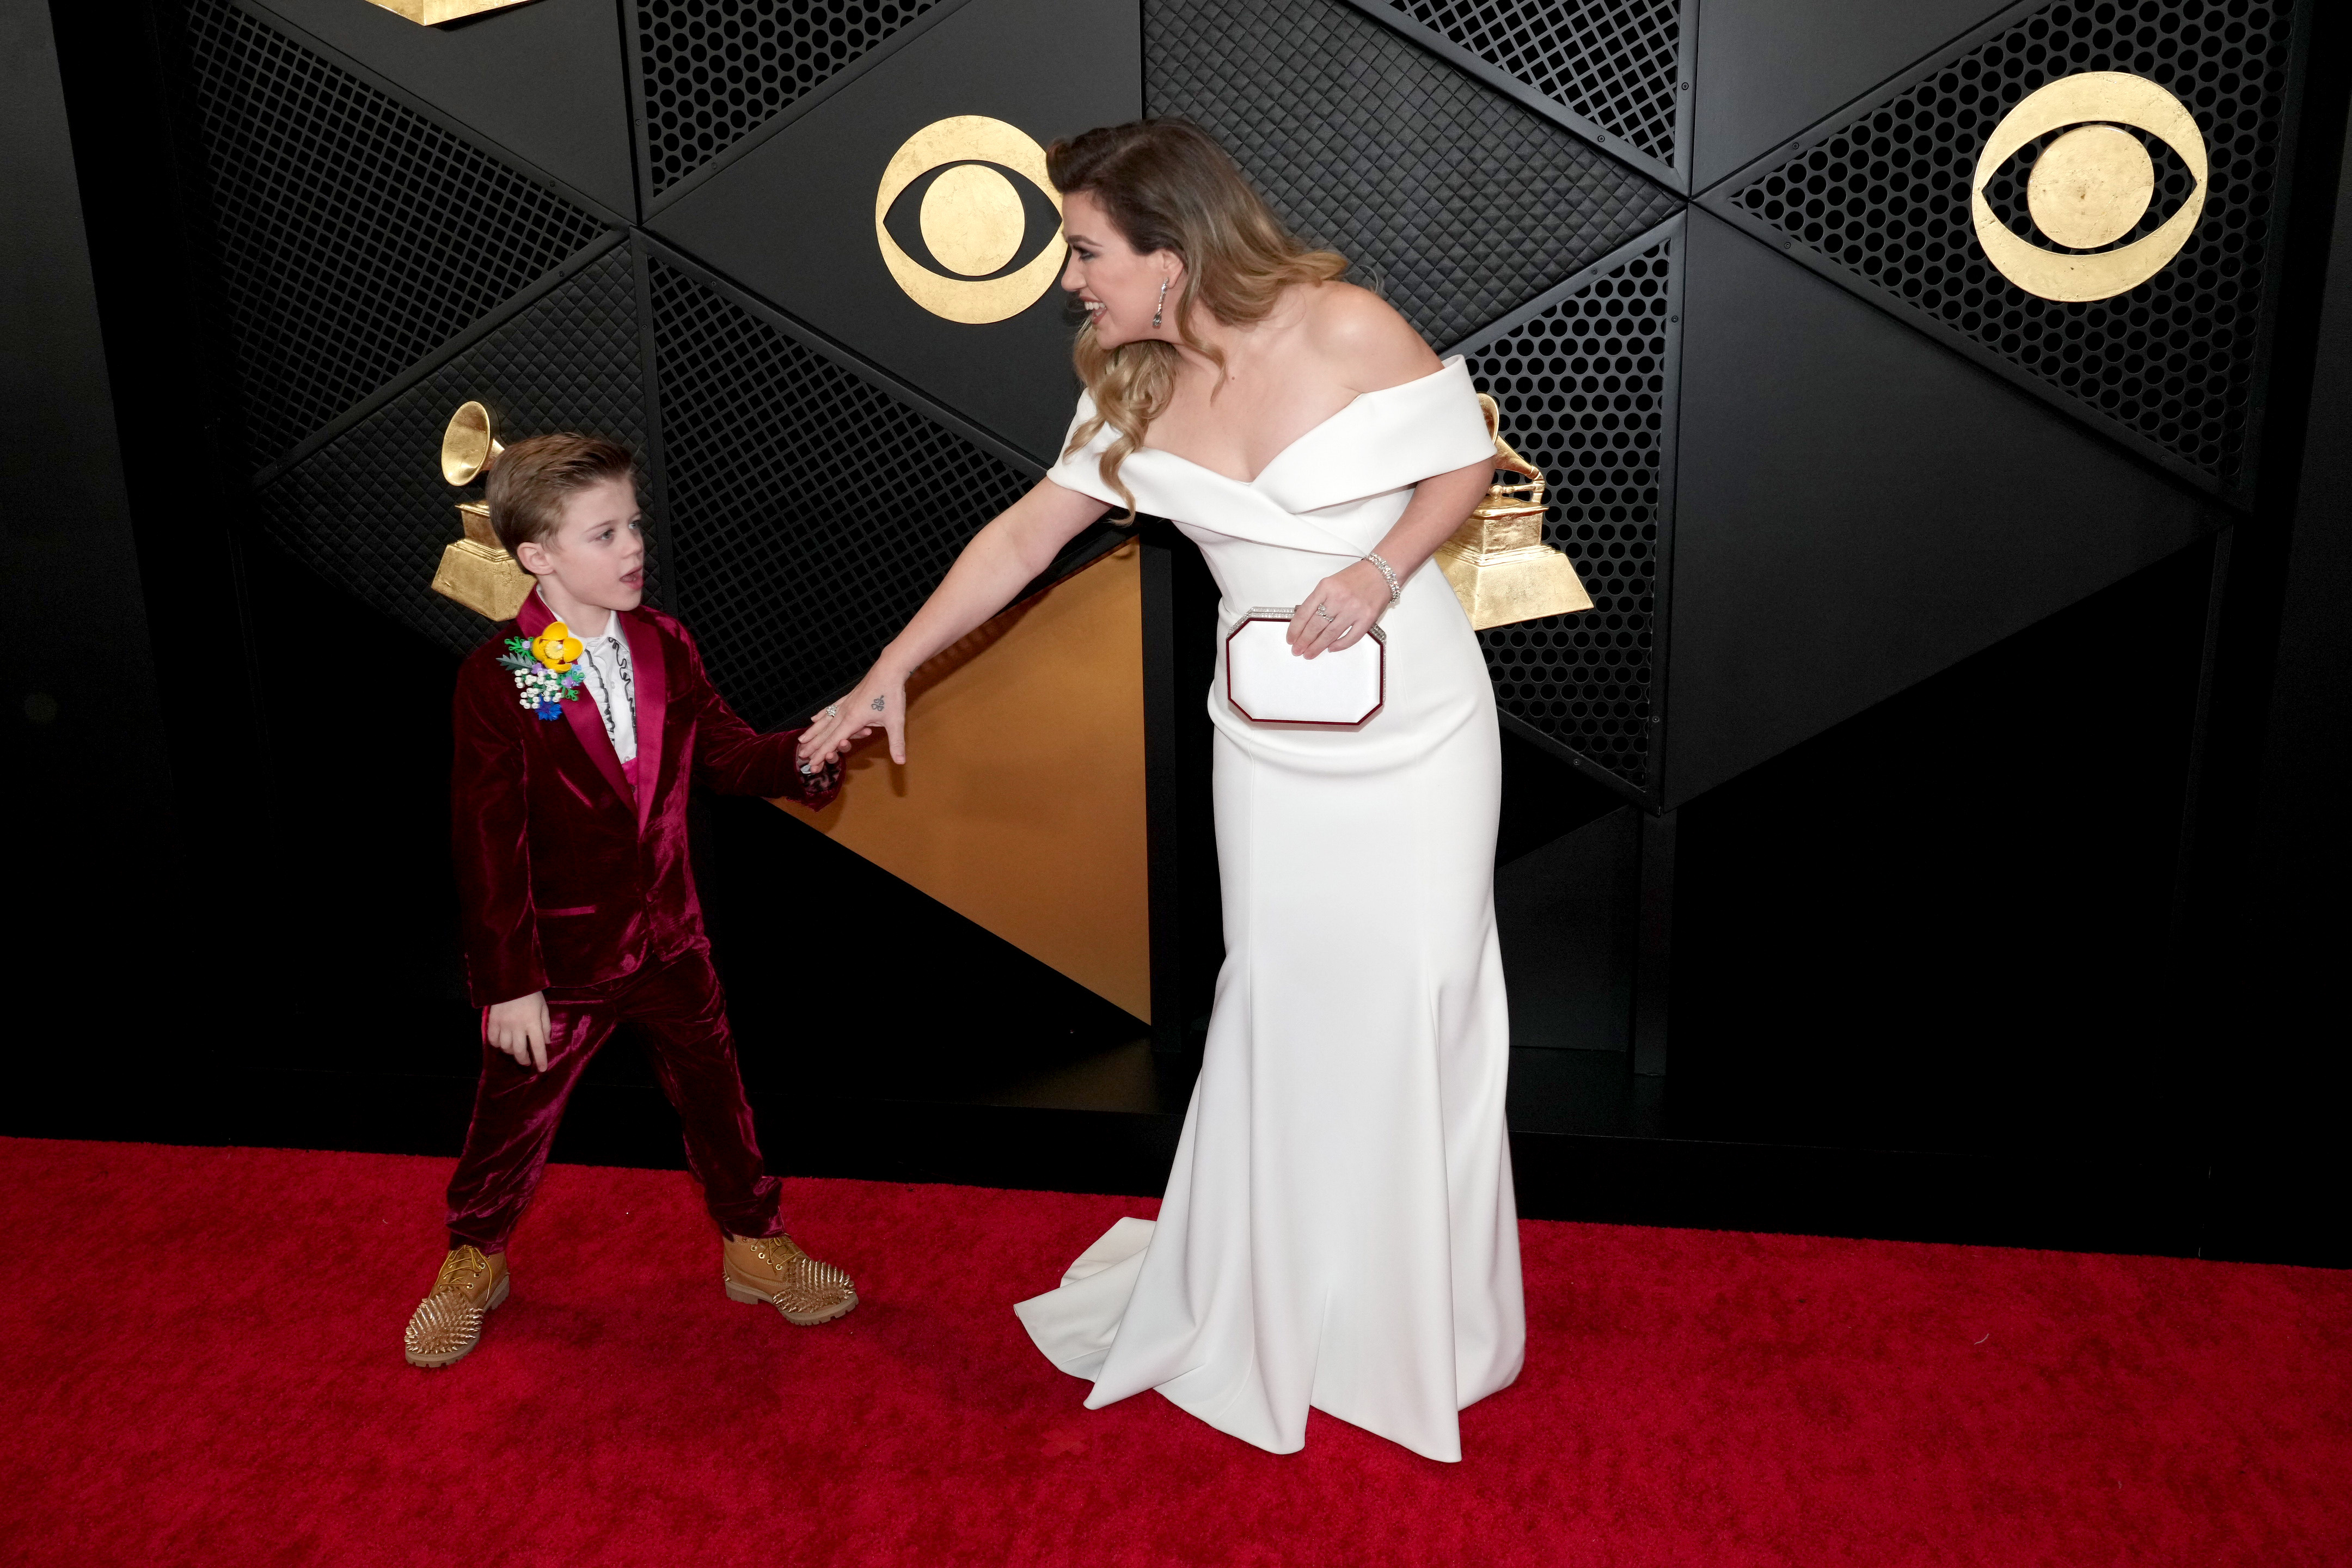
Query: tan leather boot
[(448, 1323), (774, 1269)]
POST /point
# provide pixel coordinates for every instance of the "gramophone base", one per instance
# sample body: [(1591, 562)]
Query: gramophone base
[(432, 13), (1510, 585), (486, 581)]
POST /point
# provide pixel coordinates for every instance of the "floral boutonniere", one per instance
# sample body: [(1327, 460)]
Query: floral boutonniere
[(542, 668)]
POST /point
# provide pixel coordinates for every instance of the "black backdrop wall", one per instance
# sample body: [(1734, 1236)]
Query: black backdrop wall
[(1916, 838)]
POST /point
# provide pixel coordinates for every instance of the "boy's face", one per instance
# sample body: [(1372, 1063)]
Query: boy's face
[(597, 553)]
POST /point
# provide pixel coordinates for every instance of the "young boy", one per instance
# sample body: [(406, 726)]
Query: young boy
[(579, 727)]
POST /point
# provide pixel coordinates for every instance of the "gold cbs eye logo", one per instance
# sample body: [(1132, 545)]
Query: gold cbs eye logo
[(2090, 186), (968, 222)]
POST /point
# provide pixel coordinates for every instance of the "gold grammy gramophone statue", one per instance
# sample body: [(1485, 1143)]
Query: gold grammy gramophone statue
[(1501, 569), (475, 571), (432, 13)]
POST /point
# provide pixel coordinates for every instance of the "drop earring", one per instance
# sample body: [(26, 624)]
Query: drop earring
[(1162, 305)]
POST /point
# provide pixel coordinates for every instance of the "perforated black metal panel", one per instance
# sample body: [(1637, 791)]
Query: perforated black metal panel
[(715, 70), (1584, 389), (353, 236), (1884, 196), (370, 510), (817, 512), (1467, 203), (1615, 62)]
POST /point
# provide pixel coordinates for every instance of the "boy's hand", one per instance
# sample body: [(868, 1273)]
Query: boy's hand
[(519, 1028)]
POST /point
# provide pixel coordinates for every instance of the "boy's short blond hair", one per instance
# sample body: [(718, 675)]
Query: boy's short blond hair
[(530, 479)]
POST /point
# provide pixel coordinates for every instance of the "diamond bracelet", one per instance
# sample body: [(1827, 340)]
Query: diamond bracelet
[(1396, 589)]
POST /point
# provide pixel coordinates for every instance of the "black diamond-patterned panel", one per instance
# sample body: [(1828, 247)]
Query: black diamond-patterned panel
[(370, 510), (716, 70), (803, 551), (1615, 62), (354, 235), (1886, 197), (1584, 390), (1466, 202)]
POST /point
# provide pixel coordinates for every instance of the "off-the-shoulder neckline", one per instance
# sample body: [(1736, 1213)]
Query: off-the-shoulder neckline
[(1313, 430)]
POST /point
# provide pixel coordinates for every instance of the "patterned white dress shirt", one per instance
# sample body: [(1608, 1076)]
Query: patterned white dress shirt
[(611, 685)]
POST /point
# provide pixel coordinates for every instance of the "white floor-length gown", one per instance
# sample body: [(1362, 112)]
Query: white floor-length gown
[(1338, 1229)]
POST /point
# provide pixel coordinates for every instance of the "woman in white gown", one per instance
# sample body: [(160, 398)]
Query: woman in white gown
[(1338, 1229)]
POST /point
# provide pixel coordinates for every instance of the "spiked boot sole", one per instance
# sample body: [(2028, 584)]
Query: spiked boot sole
[(745, 1293)]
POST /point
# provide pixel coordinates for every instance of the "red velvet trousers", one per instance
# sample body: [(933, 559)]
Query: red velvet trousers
[(678, 1004)]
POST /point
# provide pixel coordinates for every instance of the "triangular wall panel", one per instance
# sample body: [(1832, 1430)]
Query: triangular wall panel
[(1616, 63), (546, 83), (1770, 68), (714, 71), (1878, 198), (818, 512), (351, 237), (1463, 203), (1587, 383), (792, 219), (370, 510), (1857, 508)]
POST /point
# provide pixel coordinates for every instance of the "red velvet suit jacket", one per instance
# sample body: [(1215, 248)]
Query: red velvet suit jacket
[(565, 877)]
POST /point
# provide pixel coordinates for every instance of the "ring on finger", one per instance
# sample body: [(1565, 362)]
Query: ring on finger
[(1325, 611), (833, 710)]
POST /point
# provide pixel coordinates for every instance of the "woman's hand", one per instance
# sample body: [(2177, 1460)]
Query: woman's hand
[(1019, 543), (879, 702), (1341, 612)]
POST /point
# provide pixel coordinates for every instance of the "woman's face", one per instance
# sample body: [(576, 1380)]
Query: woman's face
[(1118, 285)]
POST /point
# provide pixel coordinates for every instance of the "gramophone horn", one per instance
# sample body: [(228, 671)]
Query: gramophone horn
[(468, 446)]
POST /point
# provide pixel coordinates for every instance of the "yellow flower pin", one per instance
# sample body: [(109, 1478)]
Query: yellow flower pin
[(556, 647)]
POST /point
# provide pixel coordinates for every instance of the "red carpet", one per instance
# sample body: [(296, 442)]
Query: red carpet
[(203, 1367)]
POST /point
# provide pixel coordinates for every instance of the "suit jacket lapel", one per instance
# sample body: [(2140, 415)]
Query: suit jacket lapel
[(533, 616), (587, 725), (649, 668)]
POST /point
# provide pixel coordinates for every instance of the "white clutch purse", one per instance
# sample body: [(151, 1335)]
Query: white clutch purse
[(1268, 684)]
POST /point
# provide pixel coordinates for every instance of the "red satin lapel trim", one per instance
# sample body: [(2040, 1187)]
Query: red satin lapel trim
[(650, 664), (587, 725), (533, 617)]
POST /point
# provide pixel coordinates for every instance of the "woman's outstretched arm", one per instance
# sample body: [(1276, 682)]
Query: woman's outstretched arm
[(1002, 558)]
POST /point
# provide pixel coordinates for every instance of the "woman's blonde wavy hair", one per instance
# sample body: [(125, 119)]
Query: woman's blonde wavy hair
[(1169, 186)]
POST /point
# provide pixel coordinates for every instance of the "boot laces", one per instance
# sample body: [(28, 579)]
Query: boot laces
[(462, 1270)]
